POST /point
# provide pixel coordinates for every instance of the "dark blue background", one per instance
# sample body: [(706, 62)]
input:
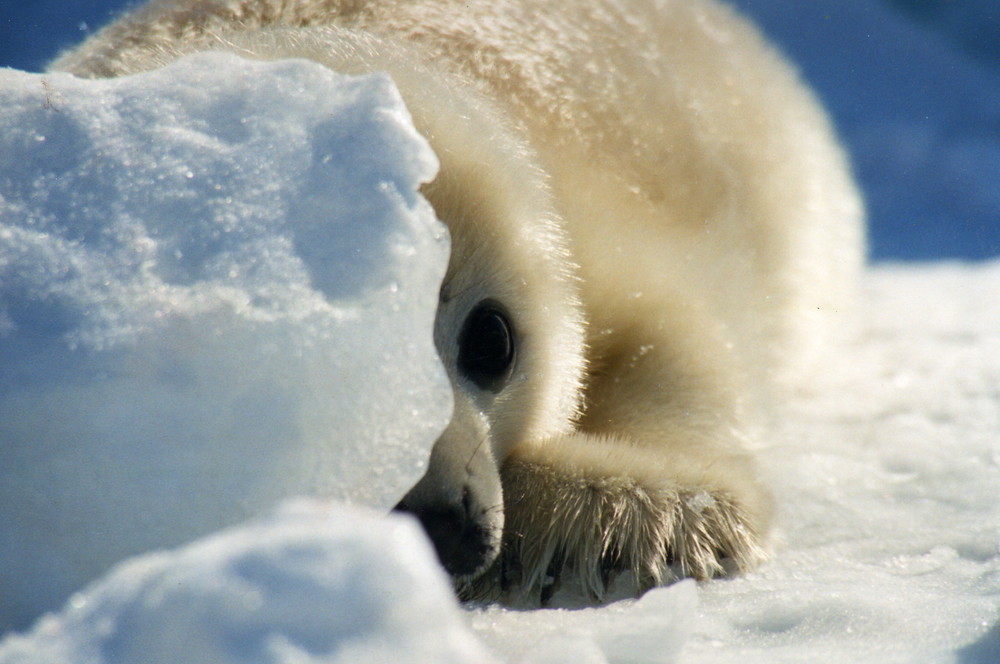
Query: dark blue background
[(913, 85)]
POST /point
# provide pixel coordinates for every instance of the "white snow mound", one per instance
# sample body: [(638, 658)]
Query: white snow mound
[(218, 283), (297, 587)]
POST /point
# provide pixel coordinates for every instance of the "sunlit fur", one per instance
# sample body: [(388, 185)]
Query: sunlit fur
[(659, 203)]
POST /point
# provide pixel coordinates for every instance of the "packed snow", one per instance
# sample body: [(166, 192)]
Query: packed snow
[(217, 295), (315, 582), (217, 289)]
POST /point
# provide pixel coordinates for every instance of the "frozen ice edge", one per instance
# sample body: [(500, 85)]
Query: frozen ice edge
[(193, 266)]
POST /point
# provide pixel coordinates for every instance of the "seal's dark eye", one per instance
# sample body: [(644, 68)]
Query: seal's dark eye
[(486, 346)]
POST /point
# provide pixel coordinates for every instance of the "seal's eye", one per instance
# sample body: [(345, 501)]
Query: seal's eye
[(486, 346)]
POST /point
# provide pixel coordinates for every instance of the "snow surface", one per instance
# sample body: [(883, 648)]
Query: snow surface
[(887, 471), (302, 585)]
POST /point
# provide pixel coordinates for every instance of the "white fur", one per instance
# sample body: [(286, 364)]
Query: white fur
[(659, 204)]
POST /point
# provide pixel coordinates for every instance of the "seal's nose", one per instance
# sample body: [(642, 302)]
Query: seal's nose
[(464, 545)]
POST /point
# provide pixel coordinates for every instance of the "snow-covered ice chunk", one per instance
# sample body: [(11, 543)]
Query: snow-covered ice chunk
[(314, 583), (217, 289)]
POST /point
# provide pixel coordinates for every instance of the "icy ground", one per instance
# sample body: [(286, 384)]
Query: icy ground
[(172, 302)]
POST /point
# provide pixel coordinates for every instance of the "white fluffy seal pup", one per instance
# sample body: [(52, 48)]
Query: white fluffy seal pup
[(651, 223)]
